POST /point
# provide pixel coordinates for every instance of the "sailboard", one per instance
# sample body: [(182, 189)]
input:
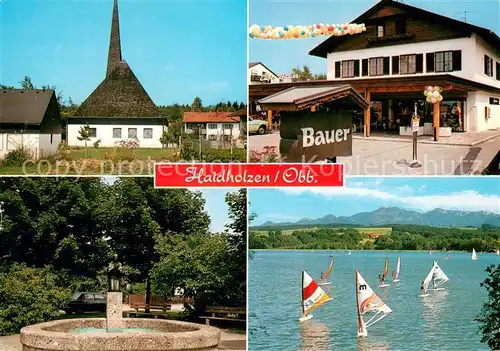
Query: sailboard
[(349, 253), (327, 274), (474, 256), (498, 252), (383, 284), (395, 275), (437, 277), (368, 301), (312, 296)]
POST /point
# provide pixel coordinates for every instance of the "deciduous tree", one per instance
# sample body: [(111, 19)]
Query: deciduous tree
[(489, 317)]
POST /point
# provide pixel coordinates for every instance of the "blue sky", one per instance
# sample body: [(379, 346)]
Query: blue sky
[(366, 194), (177, 49), (282, 55), (217, 208)]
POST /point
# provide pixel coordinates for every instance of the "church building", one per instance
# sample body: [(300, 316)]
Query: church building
[(119, 109)]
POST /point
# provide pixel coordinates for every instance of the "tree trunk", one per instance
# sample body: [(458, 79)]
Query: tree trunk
[(148, 294)]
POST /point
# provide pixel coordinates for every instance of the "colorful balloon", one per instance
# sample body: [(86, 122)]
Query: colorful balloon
[(310, 31), (433, 94)]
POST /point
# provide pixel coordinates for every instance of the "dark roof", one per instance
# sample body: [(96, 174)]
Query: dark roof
[(304, 97), (488, 35), (120, 94), (208, 117), (18, 106), (252, 64)]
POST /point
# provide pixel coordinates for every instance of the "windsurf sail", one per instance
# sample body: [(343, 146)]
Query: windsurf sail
[(386, 268), (312, 294), (435, 276), (498, 252), (395, 276), (329, 270), (474, 256), (367, 300)]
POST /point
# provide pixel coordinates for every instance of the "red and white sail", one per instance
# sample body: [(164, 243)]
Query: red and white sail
[(367, 301), (312, 294)]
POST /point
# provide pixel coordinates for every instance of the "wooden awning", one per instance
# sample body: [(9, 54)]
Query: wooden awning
[(400, 84), (303, 97)]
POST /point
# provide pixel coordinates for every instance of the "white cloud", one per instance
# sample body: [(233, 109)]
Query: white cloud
[(332, 192), (405, 189), (466, 200), (376, 182)]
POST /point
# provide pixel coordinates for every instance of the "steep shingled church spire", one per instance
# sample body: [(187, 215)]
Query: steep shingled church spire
[(115, 50), (120, 94)]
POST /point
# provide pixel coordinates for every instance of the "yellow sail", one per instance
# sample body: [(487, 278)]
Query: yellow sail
[(386, 267), (330, 267)]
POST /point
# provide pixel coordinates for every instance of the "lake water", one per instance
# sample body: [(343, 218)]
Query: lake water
[(442, 321)]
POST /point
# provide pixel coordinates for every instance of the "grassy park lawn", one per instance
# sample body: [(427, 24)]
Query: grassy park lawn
[(110, 153), (112, 161)]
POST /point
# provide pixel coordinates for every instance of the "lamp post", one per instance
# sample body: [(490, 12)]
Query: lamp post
[(114, 280)]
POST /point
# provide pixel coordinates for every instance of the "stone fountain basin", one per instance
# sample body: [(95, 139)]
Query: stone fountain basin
[(57, 335)]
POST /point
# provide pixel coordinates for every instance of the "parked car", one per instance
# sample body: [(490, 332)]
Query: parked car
[(86, 302), (256, 126)]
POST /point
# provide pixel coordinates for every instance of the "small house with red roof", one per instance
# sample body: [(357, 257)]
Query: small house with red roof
[(213, 125)]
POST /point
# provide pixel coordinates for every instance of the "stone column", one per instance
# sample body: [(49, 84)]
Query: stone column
[(114, 310)]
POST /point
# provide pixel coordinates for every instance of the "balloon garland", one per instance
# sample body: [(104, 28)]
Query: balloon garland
[(433, 94), (312, 31)]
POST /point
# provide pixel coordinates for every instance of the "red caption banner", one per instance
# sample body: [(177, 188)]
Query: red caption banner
[(248, 175)]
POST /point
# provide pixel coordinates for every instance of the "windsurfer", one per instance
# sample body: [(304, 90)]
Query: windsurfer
[(434, 280), (322, 276), (422, 287), (381, 279)]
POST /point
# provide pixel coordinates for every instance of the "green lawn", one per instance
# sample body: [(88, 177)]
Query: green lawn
[(377, 230), (362, 230), (112, 161), (110, 153)]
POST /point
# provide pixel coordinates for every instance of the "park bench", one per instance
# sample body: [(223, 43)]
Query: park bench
[(237, 314), (158, 306)]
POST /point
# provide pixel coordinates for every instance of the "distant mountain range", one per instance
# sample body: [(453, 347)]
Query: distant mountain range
[(395, 215)]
